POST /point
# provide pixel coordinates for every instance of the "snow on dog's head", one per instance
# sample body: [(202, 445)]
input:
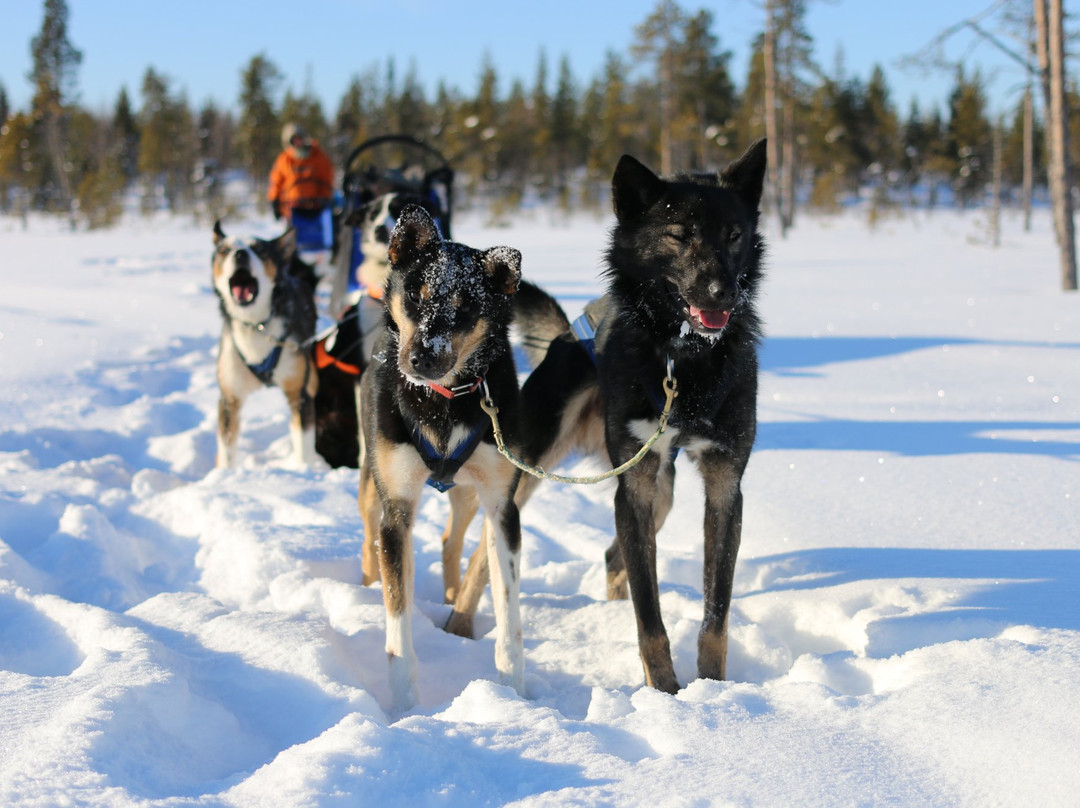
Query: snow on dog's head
[(245, 270), (444, 299)]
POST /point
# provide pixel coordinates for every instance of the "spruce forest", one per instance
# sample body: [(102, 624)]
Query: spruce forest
[(671, 101)]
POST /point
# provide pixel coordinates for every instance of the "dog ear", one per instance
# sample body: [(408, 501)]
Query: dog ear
[(634, 188), (414, 232), (219, 234), (746, 176), (503, 265), (285, 245)]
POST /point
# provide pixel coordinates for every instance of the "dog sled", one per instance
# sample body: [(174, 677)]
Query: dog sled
[(380, 176)]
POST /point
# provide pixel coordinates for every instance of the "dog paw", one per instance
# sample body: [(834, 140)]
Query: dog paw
[(617, 588), (460, 624)]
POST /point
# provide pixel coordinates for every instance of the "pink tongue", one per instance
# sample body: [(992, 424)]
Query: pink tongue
[(242, 294), (710, 318)]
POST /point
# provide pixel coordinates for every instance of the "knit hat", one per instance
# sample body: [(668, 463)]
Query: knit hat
[(290, 131)]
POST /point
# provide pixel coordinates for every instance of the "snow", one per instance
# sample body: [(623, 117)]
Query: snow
[(905, 626)]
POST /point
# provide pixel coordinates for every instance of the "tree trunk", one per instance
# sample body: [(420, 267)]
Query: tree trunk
[(1029, 154), (1059, 158), (787, 163), (1042, 53), (995, 204), (772, 146), (665, 109)]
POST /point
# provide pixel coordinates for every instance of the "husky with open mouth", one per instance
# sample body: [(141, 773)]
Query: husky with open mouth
[(268, 316)]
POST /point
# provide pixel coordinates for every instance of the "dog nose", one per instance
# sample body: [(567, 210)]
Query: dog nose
[(425, 364), (722, 295), (382, 234), (241, 259)]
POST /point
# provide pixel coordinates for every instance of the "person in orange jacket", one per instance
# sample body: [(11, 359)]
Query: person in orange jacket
[(302, 176)]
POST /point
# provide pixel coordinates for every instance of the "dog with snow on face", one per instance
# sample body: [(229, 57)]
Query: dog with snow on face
[(267, 301), (445, 345), (683, 269), (342, 355)]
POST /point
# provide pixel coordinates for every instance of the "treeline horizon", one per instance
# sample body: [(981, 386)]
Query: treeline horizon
[(844, 136)]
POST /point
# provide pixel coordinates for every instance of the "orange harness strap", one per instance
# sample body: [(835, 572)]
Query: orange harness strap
[(323, 359)]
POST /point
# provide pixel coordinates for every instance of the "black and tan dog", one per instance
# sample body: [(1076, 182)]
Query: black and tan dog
[(683, 268), (444, 346), (268, 313), (342, 355)]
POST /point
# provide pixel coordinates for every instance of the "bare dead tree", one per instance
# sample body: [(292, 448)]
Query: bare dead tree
[(772, 142), (1050, 62), (1057, 124), (995, 201)]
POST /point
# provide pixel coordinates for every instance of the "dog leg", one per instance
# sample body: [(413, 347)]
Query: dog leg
[(502, 535), (476, 578), (463, 505), (397, 566), (495, 481), (371, 515), (302, 426), (635, 527), (617, 588), (228, 429), (723, 533)]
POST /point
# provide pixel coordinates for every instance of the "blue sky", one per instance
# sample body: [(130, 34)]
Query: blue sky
[(202, 46)]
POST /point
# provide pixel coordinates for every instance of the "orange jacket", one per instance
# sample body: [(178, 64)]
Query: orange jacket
[(296, 182)]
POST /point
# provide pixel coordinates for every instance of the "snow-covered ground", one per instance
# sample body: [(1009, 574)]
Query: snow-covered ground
[(906, 621)]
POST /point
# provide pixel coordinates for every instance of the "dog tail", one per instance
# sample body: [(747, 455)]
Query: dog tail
[(538, 319)]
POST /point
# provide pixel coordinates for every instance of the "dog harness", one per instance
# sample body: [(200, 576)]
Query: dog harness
[(324, 358), (445, 467), (264, 371), (584, 330)]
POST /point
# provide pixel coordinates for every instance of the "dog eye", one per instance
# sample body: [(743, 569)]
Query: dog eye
[(677, 234), (734, 235), (414, 296)]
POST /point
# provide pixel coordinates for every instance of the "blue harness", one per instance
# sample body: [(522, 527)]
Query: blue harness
[(264, 371), (444, 467)]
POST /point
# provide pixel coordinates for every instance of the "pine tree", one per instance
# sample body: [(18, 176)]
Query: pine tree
[(258, 130), (214, 130), (5, 113), (125, 135), (350, 121), (412, 106), (515, 156), (55, 61), (564, 132), (704, 94), (540, 127), (481, 125), (306, 111), (100, 182), (166, 148), (656, 40), (969, 138)]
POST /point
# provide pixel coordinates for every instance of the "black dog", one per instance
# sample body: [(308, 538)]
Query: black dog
[(683, 268), (444, 346)]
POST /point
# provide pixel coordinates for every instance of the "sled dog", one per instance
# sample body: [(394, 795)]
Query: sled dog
[(684, 264), (444, 346), (266, 296)]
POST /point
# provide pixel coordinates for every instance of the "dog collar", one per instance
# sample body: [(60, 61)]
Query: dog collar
[(458, 390)]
